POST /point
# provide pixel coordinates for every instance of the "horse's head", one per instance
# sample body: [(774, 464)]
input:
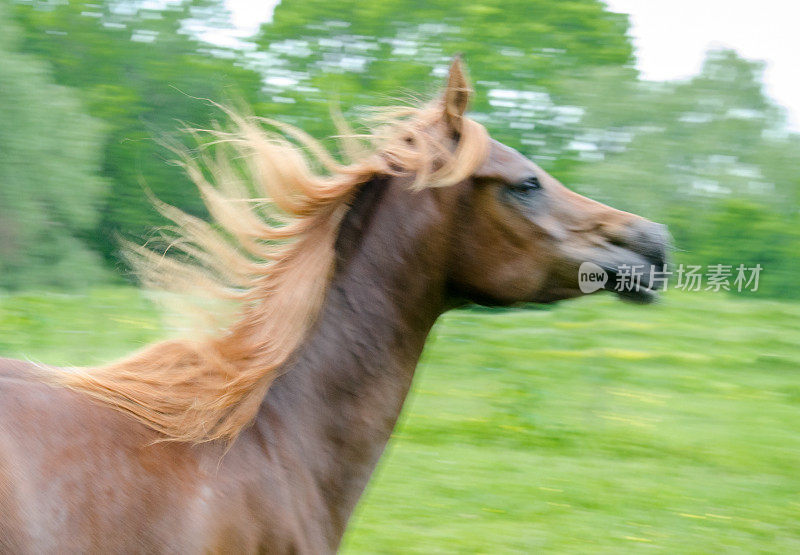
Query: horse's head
[(520, 235)]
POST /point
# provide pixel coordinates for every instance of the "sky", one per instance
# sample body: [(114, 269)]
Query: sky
[(672, 36), (248, 15)]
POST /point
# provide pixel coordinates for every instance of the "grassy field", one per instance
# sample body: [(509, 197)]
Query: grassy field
[(595, 426)]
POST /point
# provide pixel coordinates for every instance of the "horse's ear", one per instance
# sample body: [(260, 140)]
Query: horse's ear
[(456, 95)]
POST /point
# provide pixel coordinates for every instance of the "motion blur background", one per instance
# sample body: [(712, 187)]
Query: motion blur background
[(592, 425)]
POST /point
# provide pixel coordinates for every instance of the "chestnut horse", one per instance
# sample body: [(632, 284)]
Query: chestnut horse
[(262, 437)]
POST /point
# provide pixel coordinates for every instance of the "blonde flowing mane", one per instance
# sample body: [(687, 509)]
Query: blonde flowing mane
[(276, 197)]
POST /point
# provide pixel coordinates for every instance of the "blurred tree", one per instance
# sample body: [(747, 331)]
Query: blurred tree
[(142, 72), (50, 190), (520, 54), (740, 231)]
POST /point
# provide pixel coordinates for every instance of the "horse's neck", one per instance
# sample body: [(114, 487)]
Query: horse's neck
[(349, 380)]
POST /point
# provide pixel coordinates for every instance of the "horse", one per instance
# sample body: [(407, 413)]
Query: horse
[(260, 436)]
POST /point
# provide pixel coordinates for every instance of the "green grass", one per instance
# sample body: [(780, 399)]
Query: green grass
[(596, 426)]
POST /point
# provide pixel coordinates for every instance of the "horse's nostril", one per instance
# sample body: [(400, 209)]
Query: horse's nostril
[(648, 239), (658, 257), (658, 233), (655, 240)]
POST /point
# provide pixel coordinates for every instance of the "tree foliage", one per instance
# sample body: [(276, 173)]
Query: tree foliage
[(50, 192), (521, 55), (141, 73)]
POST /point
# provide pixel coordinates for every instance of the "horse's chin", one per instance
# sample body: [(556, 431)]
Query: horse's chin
[(642, 290), (640, 295)]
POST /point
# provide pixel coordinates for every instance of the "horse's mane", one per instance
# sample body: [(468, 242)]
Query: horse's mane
[(276, 197)]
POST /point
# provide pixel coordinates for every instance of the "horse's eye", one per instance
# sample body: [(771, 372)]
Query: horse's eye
[(526, 187)]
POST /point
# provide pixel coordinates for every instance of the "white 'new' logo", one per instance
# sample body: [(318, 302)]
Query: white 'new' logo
[(591, 277)]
